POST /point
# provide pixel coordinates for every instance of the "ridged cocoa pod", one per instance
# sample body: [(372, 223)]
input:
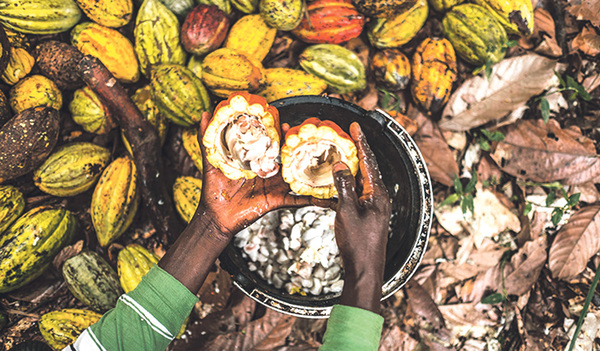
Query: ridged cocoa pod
[(34, 91), (144, 102), (110, 46), (330, 21), (157, 37), (246, 6), (29, 245), (434, 72), (90, 113), (19, 65), (58, 61), (223, 5), (286, 82), (226, 70), (26, 140), (251, 36), (399, 28), (515, 15), (71, 169), (391, 69), (475, 34), (108, 13), (92, 281), (282, 14), (179, 94), (133, 262), (39, 17), (186, 195), (61, 328), (382, 8), (339, 67), (115, 200), (178, 7), (204, 29), (444, 5), (12, 204), (189, 137)]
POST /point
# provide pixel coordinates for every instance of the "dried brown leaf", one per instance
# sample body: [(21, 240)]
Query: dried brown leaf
[(575, 243), (586, 10), (423, 305), (67, 253), (393, 338), (543, 38), (513, 81), (520, 273), (546, 153), (441, 163), (587, 41)]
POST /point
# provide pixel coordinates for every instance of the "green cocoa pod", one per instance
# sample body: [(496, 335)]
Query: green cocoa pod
[(133, 263), (186, 195), (515, 15), (12, 204), (90, 113), (143, 100), (115, 200), (246, 6), (178, 7), (223, 5), (179, 94), (157, 37), (444, 5), (282, 14), (400, 28), (92, 281), (339, 67), (475, 34), (39, 17), (71, 169), (29, 245)]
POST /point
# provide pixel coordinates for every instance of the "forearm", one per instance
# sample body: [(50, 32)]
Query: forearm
[(362, 288), (192, 255)]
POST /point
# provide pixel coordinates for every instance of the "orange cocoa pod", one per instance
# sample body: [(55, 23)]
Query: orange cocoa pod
[(309, 153), (330, 21), (242, 139)]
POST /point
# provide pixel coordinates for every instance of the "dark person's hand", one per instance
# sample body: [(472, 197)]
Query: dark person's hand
[(361, 227)]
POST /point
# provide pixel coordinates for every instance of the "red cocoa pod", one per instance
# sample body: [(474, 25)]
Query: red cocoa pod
[(204, 29), (330, 21)]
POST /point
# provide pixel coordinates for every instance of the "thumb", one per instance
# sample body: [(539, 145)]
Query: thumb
[(345, 185)]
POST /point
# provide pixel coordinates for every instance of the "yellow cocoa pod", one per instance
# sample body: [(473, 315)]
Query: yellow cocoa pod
[(186, 195), (444, 5), (115, 200), (109, 46), (34, 91), (192, 147), (227, 70), (90, 113), (286, 82), (391, 69), (108, 13), (61, 328), (144, 102), (400, 28), (434, 72), (515, 15), (17, 39), (133, 262), (20, 63), (252, 36)]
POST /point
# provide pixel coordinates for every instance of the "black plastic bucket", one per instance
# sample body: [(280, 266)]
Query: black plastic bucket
[(406, 178)]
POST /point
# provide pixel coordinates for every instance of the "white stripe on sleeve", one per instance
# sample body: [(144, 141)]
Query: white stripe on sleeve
[(147, 317), (87, 341)]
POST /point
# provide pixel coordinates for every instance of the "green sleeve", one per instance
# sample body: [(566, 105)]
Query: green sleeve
[(351, 328), (147, 318)]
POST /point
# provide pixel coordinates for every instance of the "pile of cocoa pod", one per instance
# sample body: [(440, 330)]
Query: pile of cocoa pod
[(100, 101)]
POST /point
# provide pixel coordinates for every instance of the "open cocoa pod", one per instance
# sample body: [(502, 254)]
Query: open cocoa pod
[(243, 137), (309, 153)]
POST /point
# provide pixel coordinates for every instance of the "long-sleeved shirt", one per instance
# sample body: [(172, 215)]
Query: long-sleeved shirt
[(150, 316)]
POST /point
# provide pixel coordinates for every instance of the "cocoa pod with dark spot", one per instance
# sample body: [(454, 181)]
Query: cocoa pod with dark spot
[(26, 141), (58, 61)]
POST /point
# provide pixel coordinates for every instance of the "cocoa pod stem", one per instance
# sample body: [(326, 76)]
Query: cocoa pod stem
[(144, 141)]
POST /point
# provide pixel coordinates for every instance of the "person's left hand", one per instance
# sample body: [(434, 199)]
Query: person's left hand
[(235, 204)]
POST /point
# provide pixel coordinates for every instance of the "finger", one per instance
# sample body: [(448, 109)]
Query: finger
[(294, 201), (204, 121), (345, 185), (284, 128), (372, 181)]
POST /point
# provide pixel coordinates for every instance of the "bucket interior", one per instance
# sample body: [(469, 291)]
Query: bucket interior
[(399, 175)]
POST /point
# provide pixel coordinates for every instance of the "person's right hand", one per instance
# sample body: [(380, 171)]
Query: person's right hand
[(361, 227)]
